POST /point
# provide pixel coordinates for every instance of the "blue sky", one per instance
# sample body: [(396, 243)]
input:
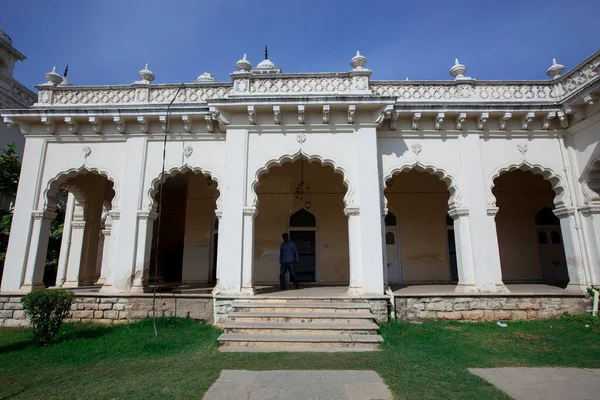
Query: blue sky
[(108, 41)]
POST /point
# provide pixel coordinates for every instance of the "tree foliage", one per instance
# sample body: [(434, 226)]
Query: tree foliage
[(10, 168)]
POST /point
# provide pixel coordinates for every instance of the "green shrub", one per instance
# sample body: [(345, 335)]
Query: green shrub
[(47, 309)]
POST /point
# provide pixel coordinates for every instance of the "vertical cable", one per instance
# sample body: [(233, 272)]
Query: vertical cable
[(159, 210)]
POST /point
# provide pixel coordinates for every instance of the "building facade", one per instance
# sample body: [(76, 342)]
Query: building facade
[(13, 95), (464, 182)]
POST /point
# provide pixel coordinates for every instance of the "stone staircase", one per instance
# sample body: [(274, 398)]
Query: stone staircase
[(264, 325)]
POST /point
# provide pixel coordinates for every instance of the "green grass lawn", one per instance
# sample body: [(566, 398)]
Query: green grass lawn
[(424, 361)]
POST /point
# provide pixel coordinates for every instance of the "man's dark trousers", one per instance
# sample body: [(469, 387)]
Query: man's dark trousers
[(283, 268)]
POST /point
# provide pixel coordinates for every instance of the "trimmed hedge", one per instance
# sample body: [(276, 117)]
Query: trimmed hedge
[(47, 309)]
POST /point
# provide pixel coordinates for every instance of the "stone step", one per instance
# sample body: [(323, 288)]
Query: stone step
[(306, 317), (232, 348), (301, 307), (300, 341), (267, 328)]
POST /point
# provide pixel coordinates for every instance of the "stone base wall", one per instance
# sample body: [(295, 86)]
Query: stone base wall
[(489, 308), (114, 310)]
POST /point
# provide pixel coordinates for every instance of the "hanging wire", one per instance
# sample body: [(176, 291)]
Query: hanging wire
[(159, 210)]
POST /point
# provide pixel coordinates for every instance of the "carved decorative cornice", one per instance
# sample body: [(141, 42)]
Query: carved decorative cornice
[(492, 211), (250, 211), (114, 215), (37, 215), (591, 209), (458, 212), (78, 224), (351, 211), (147, 215), (564, 212)]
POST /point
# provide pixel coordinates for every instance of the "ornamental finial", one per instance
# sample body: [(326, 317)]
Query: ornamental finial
[(243, 65), (53, 78), (555, 69), (358, 62), (146, 75), (458, 70)]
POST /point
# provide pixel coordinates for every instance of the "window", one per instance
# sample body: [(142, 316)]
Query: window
[(390, 219), (302, 219), (390, 238)]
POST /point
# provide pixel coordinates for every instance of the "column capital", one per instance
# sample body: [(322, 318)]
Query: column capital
[(250, 211), (492, 211), (458, 212), (114, 215), (351, 211), (43, 214), (590, 209), (564, 212), (219, 213), (149, 215), (78, 224)]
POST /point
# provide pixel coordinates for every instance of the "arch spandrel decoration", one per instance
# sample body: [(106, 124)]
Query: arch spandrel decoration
[(342, 170), (150, 202), (591, 181), (557, 182), (455, 200), (63, 178)]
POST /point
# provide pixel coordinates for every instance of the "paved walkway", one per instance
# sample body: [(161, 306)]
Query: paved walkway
[(544, 383), (298, 385)]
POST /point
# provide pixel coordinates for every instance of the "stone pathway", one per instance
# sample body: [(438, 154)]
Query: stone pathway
[(544, 383), (298, 385)]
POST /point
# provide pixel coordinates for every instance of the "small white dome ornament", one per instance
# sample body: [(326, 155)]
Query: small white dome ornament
[(555, 69), (458, 70), (65, 82), (206, 77), (243, 65), (146, 75), (358, 62), (53, 78), (266, 64)]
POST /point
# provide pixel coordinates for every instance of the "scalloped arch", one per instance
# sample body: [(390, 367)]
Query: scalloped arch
[(153, 190), (455, 199), (61, 178), (547, 173), (591, 187), (348, 197)]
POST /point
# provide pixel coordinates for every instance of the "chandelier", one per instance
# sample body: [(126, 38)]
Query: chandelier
[(302, 188)]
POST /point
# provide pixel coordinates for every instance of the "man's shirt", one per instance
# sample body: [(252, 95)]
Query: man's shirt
[(288, 252)]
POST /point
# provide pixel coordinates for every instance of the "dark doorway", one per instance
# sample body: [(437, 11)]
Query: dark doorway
[(451, 249), (306, 244)]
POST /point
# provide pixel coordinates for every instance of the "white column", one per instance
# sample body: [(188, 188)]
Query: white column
[(110, 253), (38, 247), (482, 223), (99, 255), (248, 252), (367, 179), (21, 233), (591, 223), (131, 192), (464, 252), (106, 246), (231, 230), (144, 250), (577, 279), (355, 287), (219, 215), (74, 263), (65, 244)]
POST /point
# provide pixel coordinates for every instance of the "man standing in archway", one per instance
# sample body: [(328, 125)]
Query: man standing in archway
[(288, 255)]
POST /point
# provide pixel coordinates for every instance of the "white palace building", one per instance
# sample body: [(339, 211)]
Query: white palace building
[(479, 187)]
